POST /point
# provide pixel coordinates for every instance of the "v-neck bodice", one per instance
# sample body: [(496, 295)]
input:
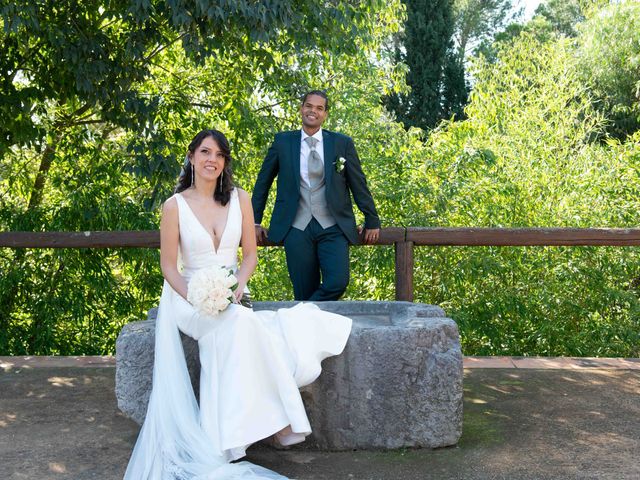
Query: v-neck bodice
[(197, 249)]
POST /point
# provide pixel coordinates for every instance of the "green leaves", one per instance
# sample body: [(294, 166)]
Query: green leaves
[(100, 100), (608, 53), (530, 154)]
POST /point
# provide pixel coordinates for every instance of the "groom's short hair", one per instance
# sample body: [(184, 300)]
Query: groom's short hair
[(320, 93)]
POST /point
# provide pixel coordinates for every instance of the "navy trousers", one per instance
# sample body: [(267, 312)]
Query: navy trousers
[(318, 262)]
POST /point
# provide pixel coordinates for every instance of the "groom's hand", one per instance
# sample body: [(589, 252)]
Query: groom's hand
[(371, 235), (261, 234)]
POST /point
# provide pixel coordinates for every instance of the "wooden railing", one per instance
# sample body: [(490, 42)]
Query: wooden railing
[(403, 239)]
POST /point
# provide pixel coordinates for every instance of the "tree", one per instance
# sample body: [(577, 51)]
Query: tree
[(455, 89), (561, 16), (423, 47), (67, 64), (552, 18), (608, 49), (435, 46), (478, 21), (606, 41)]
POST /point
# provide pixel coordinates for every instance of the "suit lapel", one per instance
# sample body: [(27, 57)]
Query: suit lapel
[(295, 154), (329, 155)]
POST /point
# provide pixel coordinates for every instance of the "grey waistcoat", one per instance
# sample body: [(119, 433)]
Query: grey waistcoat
[(313, 204)]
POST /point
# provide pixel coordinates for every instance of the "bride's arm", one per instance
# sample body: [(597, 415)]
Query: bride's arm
[(169, 238), (248, 243)]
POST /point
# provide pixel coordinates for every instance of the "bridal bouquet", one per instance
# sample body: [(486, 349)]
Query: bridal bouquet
[(210, 290)]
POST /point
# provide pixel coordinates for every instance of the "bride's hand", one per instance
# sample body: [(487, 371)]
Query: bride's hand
[(237, 295)]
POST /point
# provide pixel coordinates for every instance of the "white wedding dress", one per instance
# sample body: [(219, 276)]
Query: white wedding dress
[(252, 364)]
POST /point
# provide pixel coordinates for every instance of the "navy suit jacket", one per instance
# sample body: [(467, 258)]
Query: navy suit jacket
[(283, 161)]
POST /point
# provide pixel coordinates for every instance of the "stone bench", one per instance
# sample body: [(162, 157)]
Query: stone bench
[(397, 384)]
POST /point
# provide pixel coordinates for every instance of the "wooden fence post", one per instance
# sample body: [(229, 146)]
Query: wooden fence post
[(404, 271)]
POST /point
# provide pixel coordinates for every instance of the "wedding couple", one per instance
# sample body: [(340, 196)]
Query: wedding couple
[(252, 363)]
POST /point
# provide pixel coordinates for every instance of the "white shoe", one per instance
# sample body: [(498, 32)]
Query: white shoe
[(289, 438)]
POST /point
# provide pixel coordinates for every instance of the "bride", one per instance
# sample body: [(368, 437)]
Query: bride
[(252, 363)]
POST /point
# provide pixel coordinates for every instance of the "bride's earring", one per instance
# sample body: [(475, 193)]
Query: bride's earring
[(193, 178), (221, 178)]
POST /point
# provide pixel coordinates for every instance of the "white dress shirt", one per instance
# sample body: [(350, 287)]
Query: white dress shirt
[(304, 154)]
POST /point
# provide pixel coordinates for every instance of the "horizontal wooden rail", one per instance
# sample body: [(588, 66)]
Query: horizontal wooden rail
[(522, 237), (500, 237), (115, 239), (388, 236), (403, 239), (126, 239)]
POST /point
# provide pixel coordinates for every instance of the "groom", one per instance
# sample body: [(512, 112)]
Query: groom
[(313, 214)]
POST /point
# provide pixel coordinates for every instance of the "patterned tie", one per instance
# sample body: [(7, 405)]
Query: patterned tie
[(314, 163)]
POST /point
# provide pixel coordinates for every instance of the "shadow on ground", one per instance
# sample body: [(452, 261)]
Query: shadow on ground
[(63, 423)]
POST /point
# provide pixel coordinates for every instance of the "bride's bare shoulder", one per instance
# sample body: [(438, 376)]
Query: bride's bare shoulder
[(170, 206), (243, 197)]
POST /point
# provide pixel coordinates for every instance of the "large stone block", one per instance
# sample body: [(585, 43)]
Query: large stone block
[(397, 384)]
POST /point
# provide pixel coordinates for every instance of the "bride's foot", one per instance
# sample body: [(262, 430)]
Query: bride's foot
[(288, 440), (286, 437)]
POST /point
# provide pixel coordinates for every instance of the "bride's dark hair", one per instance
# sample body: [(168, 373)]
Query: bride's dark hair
[(222, 192)]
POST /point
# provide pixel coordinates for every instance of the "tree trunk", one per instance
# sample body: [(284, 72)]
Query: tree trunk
[(45, 164)]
